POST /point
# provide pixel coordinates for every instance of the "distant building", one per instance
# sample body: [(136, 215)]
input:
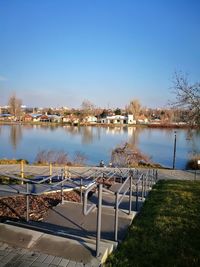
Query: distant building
[(44, 118), (90, 119), (71, 119), (27, 118), (142, 119), (7, 117), (54, 118), (118, 119), (36, 117)]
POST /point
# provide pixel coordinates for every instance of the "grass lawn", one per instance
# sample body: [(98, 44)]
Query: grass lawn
[(167, 231)]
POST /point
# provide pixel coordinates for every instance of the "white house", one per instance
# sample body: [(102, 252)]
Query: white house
[(90, 119), (131, 119), (118, 119)]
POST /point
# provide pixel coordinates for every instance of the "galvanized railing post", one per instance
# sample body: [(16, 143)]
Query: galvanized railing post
[(151, 180), (142, 186), (81, 191), (62, 185), (62, 194), (50, 171), (145, 184), (99, 207), (27, 202), (130, 192), (149, 177), (116, 215), (136, 203)]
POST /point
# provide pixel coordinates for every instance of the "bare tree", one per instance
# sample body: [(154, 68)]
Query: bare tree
[(14, 104), (187, 97), (134, 107), (128, 155), (87, 107)]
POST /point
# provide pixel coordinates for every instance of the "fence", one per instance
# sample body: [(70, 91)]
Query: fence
[(132, 183)]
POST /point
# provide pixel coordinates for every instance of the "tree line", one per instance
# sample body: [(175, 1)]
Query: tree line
[(185, 106)]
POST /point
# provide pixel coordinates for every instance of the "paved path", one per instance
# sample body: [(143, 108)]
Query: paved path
[(65, 237), (178, 174), (14, 256), (22, 248)]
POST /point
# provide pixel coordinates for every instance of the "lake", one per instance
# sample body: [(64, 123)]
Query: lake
[(97, 143)]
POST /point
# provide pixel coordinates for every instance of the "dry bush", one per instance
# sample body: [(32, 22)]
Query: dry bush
[(50, 156), (192, 163), (79, 158), (128, 156)]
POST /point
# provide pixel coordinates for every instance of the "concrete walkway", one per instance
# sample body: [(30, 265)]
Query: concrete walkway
[(65, 236), (178, 174), (72, 242), (23, 247)]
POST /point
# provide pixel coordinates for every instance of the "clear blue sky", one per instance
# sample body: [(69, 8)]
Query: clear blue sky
[(60, 52)]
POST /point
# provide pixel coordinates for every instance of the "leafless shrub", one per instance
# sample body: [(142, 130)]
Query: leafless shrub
[(192, 163), (79, 158), (127, 156), (50, 156)]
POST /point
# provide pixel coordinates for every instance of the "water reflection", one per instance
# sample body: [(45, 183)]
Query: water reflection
[(192, 139), (96, 142), (90, 134), (15, 135), (133, 134)]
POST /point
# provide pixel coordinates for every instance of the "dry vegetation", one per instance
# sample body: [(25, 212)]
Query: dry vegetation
[(128, 155), (15, 207)]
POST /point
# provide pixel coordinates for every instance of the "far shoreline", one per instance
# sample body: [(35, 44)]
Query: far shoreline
[(142, 125)]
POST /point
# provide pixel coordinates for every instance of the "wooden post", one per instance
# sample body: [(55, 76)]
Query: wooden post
[(65, 172), (50, 169), (22, 170)]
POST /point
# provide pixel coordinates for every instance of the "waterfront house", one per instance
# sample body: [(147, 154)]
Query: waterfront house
[(142, 119), (90, 119), (71, 119), (66, 119), (118, 119), (36, 117), (44, 118), (54, 118), (27, 118), (7, 117)]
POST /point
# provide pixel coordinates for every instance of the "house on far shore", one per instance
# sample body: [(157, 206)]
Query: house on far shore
[(44, 118), (118, 119), (71, 119), (90, 119), (142, 119), (54, 118), (36, 117), (27, 118), (7, 117)]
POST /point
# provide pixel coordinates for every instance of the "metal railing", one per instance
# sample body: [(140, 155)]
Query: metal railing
[(91, 179)]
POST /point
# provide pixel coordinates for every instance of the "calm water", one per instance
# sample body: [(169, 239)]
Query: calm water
[(25, 141)]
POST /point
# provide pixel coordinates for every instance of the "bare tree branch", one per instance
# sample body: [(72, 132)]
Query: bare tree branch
[(187, 96)]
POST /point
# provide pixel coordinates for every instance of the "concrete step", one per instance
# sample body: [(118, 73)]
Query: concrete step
[(79, 251), (70, 217)]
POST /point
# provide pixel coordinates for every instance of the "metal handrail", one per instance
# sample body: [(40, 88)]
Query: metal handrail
[(119, 199), (92, 206), (144, 182)]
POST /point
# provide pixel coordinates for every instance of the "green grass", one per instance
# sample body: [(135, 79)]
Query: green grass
[(167, 231)]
